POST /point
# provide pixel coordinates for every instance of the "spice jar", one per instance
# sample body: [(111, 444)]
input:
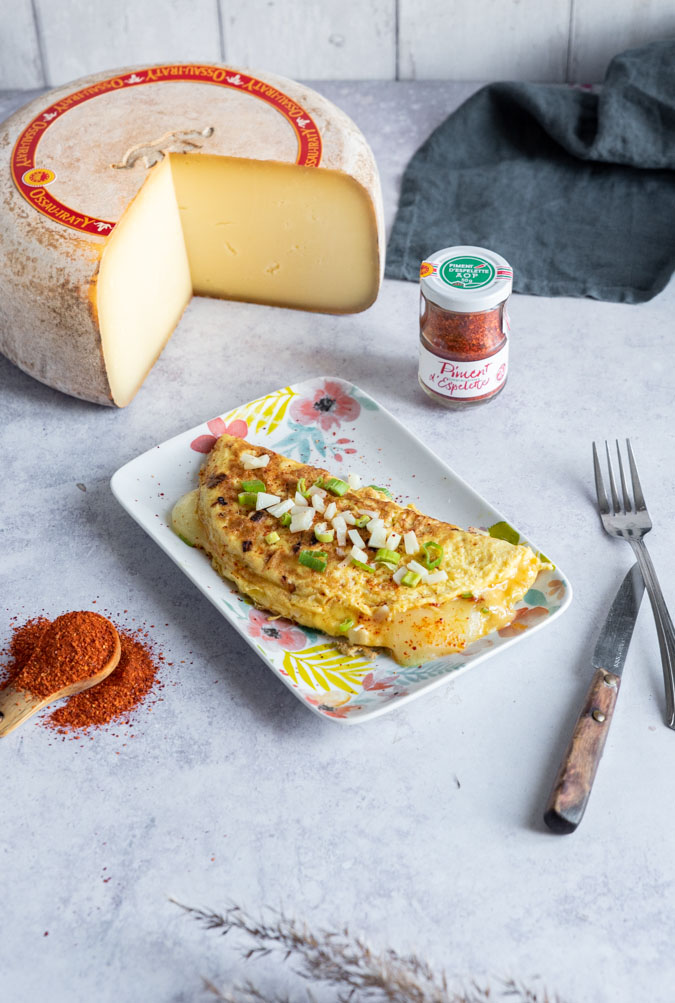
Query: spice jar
[(464, 350)]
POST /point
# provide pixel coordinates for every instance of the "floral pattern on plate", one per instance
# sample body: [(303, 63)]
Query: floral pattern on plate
[(328, 421)]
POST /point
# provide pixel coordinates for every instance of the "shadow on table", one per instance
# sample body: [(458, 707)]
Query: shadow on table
[(374, 370)]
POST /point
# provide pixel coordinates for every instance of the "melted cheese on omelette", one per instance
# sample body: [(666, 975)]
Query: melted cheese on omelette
[(414, 624)]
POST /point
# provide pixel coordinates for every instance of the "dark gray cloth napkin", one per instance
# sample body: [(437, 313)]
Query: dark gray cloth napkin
[(576, 189)]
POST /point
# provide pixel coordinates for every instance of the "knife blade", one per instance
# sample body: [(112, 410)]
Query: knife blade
[(573, 784)]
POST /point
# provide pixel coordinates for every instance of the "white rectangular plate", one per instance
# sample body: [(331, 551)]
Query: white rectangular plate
[(330, 423)]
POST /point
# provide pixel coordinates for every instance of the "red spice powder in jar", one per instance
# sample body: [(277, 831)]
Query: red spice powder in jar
[(463, 325)]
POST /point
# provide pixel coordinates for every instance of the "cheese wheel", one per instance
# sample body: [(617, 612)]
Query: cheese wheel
[(125, 194)]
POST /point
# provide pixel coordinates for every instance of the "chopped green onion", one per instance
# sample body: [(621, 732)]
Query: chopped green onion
[(318, 483), (387, 556), (254, 486), (336, 486), (314, 559), (466, 595), (345, 625), (485, 610), (326, 536), (364, 567), (285, 519), (433, 556), (302, 487), (272, 538), (385, 491), (362, 521), (411, 579), (248, 498)]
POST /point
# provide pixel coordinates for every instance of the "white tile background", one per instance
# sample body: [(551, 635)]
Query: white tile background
[(48, 42)]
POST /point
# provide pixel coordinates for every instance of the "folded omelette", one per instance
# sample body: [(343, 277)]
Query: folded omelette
[(304, 544)]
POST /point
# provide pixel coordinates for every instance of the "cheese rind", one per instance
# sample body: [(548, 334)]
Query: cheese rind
[(88, 313)]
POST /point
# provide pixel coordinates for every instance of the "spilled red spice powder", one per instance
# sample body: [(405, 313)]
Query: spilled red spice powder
[(69, 650), (125, 689)]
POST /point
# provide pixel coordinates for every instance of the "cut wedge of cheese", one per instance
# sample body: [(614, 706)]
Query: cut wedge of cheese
[(125, 195)]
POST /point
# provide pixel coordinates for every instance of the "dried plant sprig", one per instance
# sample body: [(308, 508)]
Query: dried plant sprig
[(247, 993), (347, 963)]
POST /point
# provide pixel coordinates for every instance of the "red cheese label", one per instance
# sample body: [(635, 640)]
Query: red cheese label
[(32, 177)]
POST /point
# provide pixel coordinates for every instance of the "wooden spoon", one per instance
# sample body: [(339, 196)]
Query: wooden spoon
[(17, 704)]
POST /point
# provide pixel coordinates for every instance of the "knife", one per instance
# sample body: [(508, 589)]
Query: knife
[(572, 788)]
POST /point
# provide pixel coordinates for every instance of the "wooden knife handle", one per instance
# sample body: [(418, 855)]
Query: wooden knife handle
[(572, 788)]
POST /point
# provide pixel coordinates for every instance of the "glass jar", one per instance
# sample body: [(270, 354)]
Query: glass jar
[(464, 350)]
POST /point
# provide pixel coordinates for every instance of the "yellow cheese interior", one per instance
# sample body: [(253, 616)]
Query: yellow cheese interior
[(143, 285), (259, 231), (277, 233)]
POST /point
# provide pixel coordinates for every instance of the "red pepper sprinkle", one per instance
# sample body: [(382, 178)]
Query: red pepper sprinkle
[(125, 689), (69, 650)]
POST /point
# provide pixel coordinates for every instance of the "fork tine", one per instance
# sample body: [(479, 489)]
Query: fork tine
[(603, 504), (624, 489), (637, 487), (615, 498)]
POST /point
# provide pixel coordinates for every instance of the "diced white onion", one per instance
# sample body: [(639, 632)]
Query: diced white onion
[(366, 511), (378, 538), (263, 500), (399, 575), (300, 499), (318, 503), (410, 542), (419, 569), (321, 527), (252, 462), (381, 613), (359, 554), (302, 521), (314, 490), (340, 527), (298, 509), (358, 634), (437, 576), (347, 561), (340, 551), (349, 518), (356, 538), (375, 523), (331, 509), (278, 510), (354, 481), (393, 541)]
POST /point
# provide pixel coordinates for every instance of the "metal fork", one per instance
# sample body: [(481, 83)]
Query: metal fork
[(631, 521)]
